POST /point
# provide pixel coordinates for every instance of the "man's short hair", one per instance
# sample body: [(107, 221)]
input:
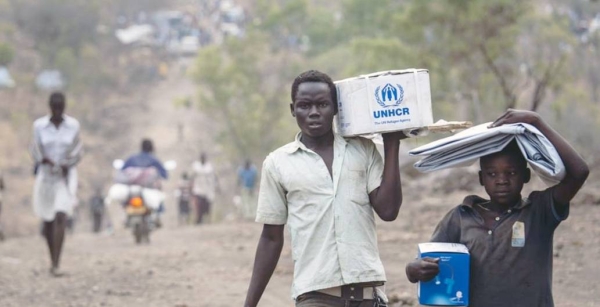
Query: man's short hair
[(147, 145), (315, 76), (57, 96)]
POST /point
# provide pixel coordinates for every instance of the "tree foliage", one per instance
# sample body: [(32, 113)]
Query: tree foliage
[(7, 54), (483, 55), (244, 85)]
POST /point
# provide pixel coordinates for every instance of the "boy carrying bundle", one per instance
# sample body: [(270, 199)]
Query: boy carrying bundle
[(510, 238)]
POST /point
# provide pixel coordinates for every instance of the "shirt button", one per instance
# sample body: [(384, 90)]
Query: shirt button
[(489, 232), (351, 288), (509, 211), (351, 297), (497, 218)]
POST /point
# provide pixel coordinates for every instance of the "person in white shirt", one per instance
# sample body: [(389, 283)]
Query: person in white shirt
[(204, 186), (327, 189), (56, 148)]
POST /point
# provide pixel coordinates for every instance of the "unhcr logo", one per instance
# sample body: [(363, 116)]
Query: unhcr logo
[(390, 96)]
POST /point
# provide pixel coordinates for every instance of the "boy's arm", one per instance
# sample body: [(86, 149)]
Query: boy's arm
[(577, 170), (387, 198), (267, 256), (447, 230)]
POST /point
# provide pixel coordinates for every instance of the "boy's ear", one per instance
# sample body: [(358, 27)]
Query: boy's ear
[(527, 175), (292, 109), (480, 178)]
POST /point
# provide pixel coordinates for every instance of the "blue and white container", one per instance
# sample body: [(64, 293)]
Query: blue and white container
[(451, 286)]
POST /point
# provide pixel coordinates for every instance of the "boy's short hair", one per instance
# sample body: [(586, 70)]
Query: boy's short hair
[(315, 76), (513, 150)]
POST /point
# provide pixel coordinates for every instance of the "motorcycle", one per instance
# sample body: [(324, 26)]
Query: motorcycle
[(138, 190), (138, 215)]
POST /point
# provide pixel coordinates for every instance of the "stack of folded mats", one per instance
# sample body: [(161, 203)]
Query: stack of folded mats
[(466, 147)]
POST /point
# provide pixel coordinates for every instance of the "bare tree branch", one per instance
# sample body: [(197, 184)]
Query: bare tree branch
[(542, 84), (511, 99)]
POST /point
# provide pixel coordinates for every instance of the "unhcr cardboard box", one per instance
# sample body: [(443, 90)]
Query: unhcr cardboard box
[(451, 286), (384, 102)]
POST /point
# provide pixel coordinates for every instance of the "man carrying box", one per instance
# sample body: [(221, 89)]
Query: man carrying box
[(326, 187)]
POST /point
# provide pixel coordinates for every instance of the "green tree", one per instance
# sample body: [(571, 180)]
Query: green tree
[(483, 55), (486, 55), (474, 42), (245, 85), (544, 55), (6, 54)]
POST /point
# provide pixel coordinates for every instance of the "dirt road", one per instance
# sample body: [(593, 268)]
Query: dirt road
[(181, 267), (211, 265)]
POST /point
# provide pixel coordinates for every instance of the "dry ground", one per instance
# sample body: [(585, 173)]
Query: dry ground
[(211, 265)]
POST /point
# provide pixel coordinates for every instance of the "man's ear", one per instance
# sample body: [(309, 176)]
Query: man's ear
[(480, 178), (292, 109), (526, 175)]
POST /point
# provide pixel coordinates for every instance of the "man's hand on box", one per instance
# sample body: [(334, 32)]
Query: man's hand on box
[(424, 269)]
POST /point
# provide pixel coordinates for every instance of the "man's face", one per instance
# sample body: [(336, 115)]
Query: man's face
[(313, 109), (57, 107), (503, 178)]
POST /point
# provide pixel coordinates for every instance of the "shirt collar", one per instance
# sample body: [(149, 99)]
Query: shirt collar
[(48, 123), (297, 144), (472, 200)]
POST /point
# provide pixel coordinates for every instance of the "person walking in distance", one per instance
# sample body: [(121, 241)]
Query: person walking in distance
[(57, 149), (183, 194), (204, 186), (247, 182), (97, 210)]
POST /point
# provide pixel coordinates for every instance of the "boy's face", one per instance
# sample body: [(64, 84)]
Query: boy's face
[(503, 177), (313, 108)]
